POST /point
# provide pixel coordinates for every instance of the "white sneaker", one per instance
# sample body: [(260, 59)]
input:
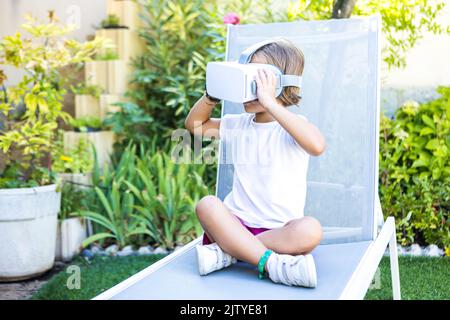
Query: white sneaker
[(292, 270), (211, 258)]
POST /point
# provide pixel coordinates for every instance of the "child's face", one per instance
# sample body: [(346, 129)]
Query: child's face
[(254, 106)]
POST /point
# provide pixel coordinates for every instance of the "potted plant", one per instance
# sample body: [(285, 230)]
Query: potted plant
[(30, 111), (107, 72), (74, 164), (72, 228), (87, 99), (108, 54), (127, 11), (125, 43), (91, 100), (86, 124), (93, 130), (107, 29), (112, 64), (89, 90), (74, 168), (112, 21)]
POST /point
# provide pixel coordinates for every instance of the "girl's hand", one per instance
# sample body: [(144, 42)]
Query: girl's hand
[(266, 83)]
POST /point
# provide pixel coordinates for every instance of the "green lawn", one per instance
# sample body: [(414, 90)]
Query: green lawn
[(97, 275), (421, 278)]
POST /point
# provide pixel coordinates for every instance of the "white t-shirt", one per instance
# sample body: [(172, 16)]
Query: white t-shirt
[(270, 167)]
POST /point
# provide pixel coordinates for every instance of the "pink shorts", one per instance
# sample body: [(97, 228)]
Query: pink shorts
[(254, 231)]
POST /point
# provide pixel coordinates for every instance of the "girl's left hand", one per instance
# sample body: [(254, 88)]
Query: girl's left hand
[(266, 83)]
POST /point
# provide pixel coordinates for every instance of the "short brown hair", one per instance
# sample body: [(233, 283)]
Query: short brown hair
[(283, 54)]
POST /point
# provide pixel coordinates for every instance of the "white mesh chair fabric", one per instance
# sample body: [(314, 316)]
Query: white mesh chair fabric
[(339, 96)]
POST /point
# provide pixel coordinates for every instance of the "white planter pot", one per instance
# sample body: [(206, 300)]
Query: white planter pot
[(71, 234), (82, 181), (28, 218)]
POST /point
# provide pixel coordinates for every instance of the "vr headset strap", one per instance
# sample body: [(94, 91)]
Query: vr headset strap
[(285, 80), (246, 55), (289, 80)]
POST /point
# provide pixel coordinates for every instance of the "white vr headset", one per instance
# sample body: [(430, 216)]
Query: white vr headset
[(235, 81)]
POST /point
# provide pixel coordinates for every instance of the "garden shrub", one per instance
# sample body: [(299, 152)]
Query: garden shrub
[(73, 200), (146, 198), (76, 159), (31, 109), (415, 170), (181, 37)]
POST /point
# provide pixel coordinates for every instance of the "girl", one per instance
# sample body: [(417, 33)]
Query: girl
[(261, 220)]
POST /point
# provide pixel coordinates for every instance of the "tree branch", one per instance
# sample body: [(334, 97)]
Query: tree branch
[(343, 9)]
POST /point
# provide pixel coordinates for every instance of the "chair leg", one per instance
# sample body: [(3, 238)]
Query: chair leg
[(395, 277)]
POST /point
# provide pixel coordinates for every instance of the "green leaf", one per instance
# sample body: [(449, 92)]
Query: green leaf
[(436, 173), (425, 131), (96, 237), (432, 144), (105, 203), (428, 121), (98, 218), (424, 174), (137, 231)]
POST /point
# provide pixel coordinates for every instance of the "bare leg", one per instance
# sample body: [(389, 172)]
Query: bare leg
[(224, 228), (298, 236)]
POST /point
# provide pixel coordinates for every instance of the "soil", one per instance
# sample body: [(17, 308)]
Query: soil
[(23, 290)]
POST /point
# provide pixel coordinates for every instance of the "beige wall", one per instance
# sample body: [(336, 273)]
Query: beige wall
[(428, 66), (84, 13)]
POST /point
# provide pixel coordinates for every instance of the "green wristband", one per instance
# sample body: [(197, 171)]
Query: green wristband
[(262, 263)]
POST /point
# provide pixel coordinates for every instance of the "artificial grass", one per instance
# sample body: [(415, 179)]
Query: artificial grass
[(421, 278), (96, 276)]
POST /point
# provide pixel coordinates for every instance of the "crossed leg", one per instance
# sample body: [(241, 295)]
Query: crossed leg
[(298, 236)]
